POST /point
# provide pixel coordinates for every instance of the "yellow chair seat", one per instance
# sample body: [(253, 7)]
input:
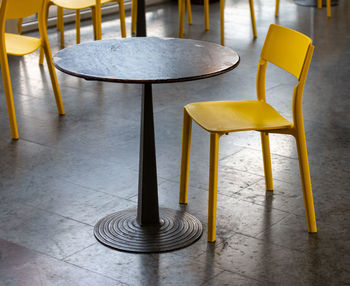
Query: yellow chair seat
[(19, 45), (78, 4), (74, 5), (229, 116)]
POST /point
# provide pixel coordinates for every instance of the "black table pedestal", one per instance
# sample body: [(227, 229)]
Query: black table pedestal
[(147, 229)]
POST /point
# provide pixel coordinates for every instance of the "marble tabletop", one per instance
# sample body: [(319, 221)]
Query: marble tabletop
[(146, 60)]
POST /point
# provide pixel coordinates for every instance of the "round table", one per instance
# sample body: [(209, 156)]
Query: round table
[(147, 61)]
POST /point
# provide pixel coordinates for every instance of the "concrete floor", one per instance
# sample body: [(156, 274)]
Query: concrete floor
[(65, 173)]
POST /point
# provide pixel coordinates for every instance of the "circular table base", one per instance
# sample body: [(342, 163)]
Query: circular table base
[(120, 230)]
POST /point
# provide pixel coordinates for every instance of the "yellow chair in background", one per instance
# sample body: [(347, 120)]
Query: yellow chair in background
[(95, 6), (206, 18), (19, 45), (291, 51)]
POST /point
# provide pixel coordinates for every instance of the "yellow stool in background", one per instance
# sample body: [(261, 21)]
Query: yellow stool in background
[(19, 45), (291, 51), (206, 18), (95, 6)]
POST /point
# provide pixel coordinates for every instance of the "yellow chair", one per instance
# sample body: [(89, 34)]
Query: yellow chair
[(19, 45), (206, 18), (319, 5), (291, 51), (95, 6)]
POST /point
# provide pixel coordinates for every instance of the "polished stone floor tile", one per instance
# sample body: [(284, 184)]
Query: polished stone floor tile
[(227, 278), (43, 231), (285, 196), (141, 269), (68, 200), (21, 266), (271, 263)]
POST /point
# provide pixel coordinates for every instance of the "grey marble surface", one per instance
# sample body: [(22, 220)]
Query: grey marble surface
[(146, 60)]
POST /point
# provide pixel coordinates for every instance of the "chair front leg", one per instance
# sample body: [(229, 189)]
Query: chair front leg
[(122, 18), (61, 28), (206, 15), (93, 18), (277, 7), (252, 15), (189, 12), (213, 184), (328, 8), (181, 18), (133, 16), (265, 143), (9, 95), (306, 181), (77, 25), (222, 22), (42, 53), (53, 78), (185, 157), (19, 25)]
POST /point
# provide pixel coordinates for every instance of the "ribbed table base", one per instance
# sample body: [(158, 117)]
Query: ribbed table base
[(120, 230)]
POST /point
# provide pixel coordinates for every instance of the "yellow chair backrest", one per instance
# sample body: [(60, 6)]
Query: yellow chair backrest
[(286, 48), (21, 8)]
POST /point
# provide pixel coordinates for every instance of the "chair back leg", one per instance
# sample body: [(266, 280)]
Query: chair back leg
[(306, 181), (77, 25), (185, 157), (213, 184), (265, 143)]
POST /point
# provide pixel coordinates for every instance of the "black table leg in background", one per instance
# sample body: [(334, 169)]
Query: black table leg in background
[(148, 229), (141, 19)]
